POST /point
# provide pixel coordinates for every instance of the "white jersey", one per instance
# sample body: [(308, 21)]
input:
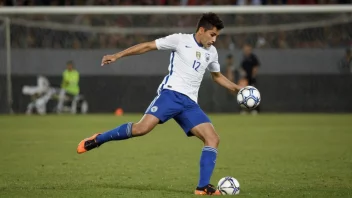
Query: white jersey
[(188, 62)]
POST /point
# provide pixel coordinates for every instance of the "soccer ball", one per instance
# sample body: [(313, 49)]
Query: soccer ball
[(229, 186), (248, 97)]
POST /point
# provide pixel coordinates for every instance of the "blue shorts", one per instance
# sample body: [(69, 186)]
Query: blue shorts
[(171, 104)]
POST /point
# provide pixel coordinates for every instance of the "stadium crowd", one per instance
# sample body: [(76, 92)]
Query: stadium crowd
[(328, 36)]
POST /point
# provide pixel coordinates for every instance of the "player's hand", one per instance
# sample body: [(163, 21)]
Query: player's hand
[(108, 59), (240, 87)]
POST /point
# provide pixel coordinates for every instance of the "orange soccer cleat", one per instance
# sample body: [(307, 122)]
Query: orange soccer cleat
[(88, 144), (207, 190)]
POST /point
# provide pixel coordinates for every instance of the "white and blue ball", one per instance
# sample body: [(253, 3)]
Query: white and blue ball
[(248, 97), (229, 186)]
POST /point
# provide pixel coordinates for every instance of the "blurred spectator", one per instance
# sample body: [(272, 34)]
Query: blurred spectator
[(69, 87), (261, 42), (249, 65), (230, 68), (345, 64), (281, 40), (233, 73)]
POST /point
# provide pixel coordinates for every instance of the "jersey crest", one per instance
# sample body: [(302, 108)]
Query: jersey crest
[(198, 55)]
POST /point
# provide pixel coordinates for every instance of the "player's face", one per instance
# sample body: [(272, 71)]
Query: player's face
[(208, 37), (69, 67), (247, 50), (229, 61)]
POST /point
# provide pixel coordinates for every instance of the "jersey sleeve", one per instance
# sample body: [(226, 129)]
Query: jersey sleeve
[(169, 42), (214, 66)]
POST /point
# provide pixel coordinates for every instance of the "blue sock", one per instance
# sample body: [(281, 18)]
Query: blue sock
[(207, 164), (122, 132)]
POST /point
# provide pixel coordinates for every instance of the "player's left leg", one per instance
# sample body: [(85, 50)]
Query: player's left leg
[(196, 123)]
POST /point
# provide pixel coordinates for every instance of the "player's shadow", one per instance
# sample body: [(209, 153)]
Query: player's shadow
[(145, 188)]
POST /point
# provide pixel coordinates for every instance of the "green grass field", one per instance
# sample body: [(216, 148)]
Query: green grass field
[(272, 155)]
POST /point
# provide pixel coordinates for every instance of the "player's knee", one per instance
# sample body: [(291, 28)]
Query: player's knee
[(212, 140), (216, 140), (139, 129)]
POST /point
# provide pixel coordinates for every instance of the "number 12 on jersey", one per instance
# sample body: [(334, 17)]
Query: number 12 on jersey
[(196, 65)]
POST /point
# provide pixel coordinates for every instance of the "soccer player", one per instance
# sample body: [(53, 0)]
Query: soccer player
[(191, 56)]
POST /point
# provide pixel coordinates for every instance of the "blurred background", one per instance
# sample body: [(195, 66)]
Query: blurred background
[(303, 61)]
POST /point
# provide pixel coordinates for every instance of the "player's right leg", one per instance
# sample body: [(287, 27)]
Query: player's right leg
[(164, 106), (122, 132)]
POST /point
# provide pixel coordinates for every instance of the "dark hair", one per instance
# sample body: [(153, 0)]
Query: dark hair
[(69, 63), (210, 20), (247, 44)]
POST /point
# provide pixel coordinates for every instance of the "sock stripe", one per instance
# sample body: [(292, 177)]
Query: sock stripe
[(129, 129), (211, 149)]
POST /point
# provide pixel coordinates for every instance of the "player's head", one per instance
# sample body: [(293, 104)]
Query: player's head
[(69, 65), (208, 28), (247, 49)]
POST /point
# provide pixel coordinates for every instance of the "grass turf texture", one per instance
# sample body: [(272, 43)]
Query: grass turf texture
[(272, 155)]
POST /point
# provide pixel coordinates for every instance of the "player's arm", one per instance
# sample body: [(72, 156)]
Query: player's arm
[(214, 68), (134, 50), (256, 66), (166, 43), (64, 82), (223, 81), (255, 71)]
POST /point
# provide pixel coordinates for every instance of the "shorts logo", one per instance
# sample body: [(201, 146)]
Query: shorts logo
[(154, 109)]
